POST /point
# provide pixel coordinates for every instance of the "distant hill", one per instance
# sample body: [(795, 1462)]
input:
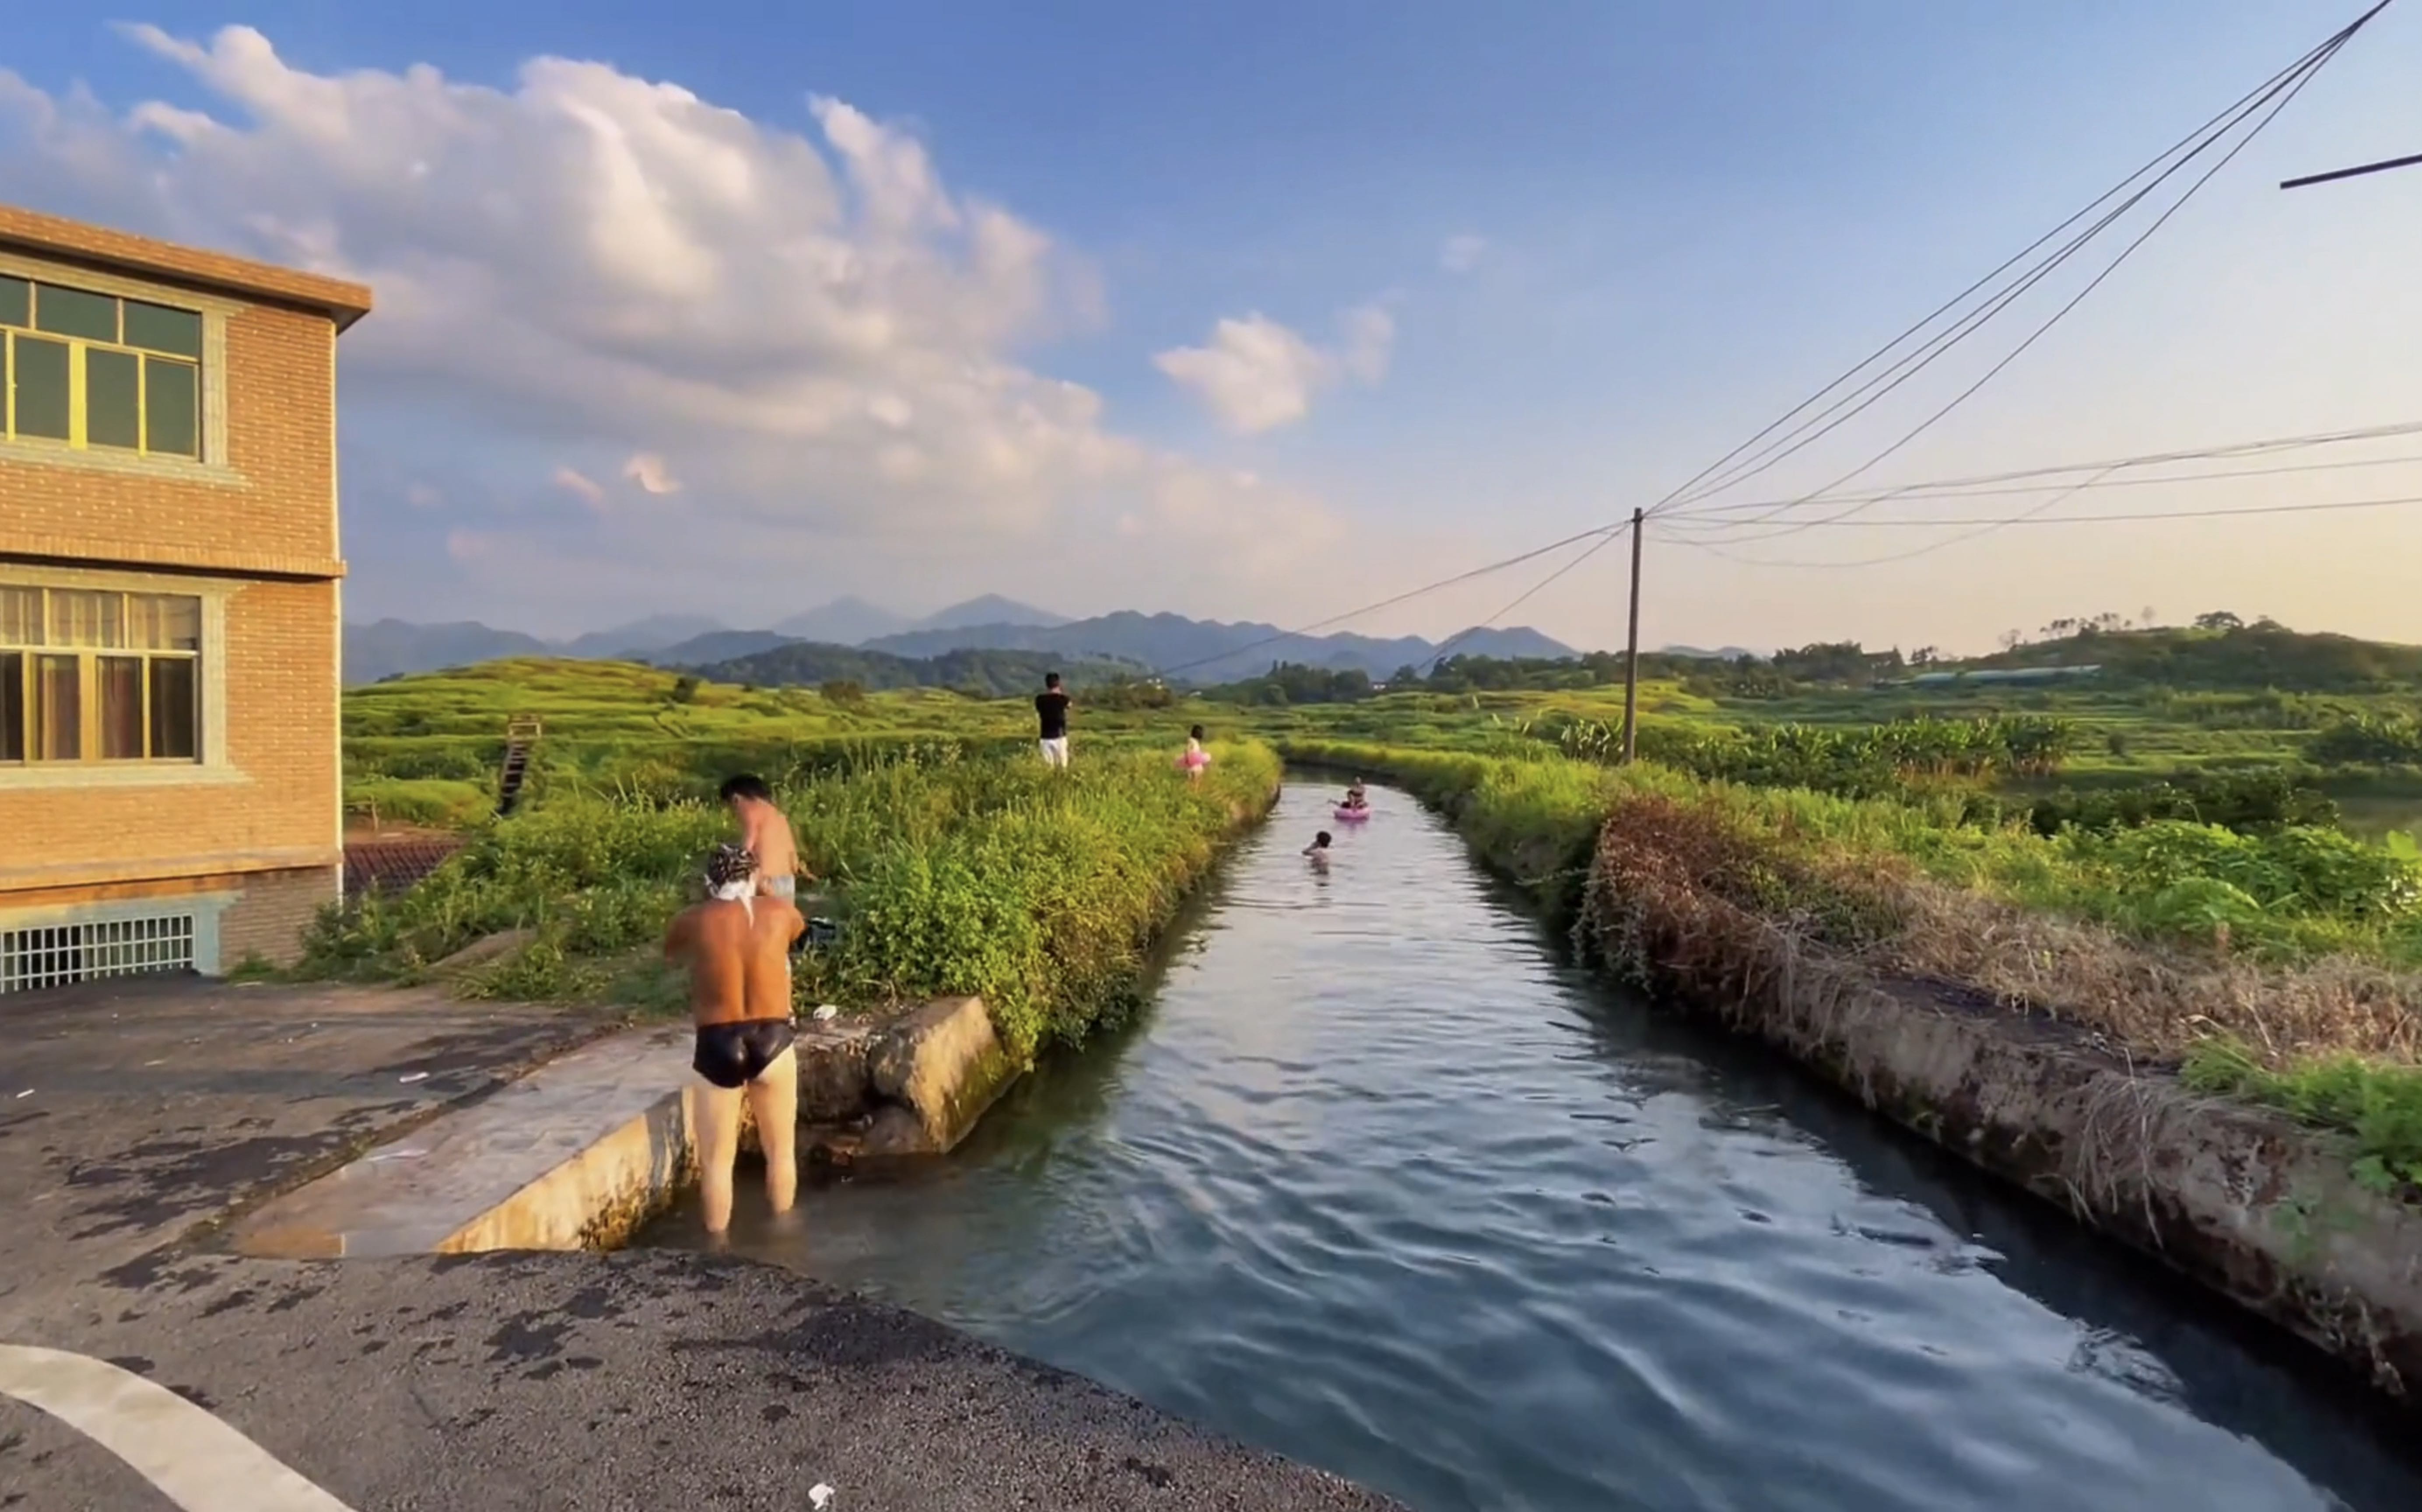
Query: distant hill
[(990, 610), (715, 646), (2257, 655), (389, 647), (994, 673), (641, 636), (844, 622), (1199, 651), (1207, 651)]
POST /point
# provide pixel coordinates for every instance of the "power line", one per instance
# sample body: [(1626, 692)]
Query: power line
[(1317, 625), (1524, 597), (2275, 93), (2193, 145), (2305, 66), (1883, 384), (2037, 519), (1701, 516), (1911, 493), (2282, 101), (1717, 466), (2352, 173)]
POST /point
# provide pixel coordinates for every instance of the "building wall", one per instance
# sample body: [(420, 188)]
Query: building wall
[(251, 834), (265, 797), (262, 496), (274, 909)]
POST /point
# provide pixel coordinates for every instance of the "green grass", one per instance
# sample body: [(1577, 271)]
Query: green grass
[(435, 802), (2293, 908), (2380, 1105), (952, 874), (2298, 895)]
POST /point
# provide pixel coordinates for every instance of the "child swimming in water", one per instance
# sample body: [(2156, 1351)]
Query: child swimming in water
[(1196, 758), (1317, 852)]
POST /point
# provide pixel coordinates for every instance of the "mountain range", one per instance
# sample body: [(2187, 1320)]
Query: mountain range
[(1189, 651), (388, 648)]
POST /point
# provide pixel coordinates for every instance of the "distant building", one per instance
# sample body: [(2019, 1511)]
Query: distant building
[(169, 623)]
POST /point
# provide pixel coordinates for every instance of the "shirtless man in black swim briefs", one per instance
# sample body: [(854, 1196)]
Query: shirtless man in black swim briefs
[(737, 946)]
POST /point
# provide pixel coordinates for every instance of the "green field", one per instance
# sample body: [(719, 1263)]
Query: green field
[(952, 866), (2222, 875)]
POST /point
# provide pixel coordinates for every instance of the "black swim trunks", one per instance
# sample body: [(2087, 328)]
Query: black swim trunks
[(733, 1055)]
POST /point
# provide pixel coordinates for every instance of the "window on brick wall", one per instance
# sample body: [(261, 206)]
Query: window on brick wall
[(99, 373), (92, 676)]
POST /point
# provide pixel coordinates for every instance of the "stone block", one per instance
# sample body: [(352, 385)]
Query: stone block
[(836, 1082), (945, 1064)]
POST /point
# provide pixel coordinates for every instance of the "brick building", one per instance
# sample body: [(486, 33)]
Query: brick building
[(169, 612)]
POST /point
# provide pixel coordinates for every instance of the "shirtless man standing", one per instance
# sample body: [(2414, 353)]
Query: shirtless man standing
[(764, 833), (737, 946)]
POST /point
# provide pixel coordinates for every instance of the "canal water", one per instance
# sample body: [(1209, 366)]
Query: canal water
[(1380, 1184)]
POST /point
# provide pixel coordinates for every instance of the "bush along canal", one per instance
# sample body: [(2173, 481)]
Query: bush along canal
[(1381, 1182), (954, 873)]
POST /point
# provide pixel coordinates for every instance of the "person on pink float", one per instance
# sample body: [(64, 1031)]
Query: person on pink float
[(1196, 759)]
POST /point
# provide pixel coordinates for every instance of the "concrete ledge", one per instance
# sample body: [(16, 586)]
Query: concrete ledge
[(575, 1154)]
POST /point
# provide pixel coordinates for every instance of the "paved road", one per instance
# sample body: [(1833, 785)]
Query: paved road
[(643, 1380)]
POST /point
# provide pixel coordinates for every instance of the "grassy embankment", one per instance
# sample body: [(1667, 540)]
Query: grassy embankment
[(2281, 967), (953, 869)]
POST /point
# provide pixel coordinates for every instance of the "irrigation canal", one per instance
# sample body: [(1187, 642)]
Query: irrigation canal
[(1380, 1184)]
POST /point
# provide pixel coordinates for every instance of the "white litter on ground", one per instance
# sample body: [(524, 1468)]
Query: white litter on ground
[(415, 1075), (825, 1013), (818, 1495)]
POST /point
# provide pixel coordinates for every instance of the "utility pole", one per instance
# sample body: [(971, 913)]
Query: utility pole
[(1632, 656)]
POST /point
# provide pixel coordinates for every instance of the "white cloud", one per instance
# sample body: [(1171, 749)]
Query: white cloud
[(422, 496), (1256, 376), (581, 486), (1461, 254), (649, 471), (815, 325)]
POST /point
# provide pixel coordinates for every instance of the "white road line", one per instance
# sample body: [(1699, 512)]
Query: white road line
[(196, 1461)]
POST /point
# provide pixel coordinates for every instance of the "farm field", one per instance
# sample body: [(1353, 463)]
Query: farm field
[(2232, 842)]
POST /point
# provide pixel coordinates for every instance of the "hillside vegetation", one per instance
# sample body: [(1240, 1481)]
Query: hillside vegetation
[(979, 673)]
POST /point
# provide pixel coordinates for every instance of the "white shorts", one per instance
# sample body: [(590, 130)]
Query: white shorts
[(1055, 753)]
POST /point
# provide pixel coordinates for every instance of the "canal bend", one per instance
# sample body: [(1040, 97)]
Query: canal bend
[(1380, 1184)]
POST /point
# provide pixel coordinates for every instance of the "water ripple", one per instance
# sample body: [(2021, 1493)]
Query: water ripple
[(1380, 1185)]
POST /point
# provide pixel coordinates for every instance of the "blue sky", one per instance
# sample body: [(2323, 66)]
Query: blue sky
[(1673, 221)]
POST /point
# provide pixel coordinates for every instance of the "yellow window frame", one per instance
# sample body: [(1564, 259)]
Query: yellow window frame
[(89, 725), (77, 439)]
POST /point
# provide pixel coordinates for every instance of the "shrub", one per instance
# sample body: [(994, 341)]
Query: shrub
[(2249, 802), (2368, 740), (1039, 892)]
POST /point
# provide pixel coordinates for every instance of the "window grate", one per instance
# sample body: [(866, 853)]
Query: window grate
[(53, 956)]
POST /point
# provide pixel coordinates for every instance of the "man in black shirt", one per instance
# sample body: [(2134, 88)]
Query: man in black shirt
[(1051, 708)]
